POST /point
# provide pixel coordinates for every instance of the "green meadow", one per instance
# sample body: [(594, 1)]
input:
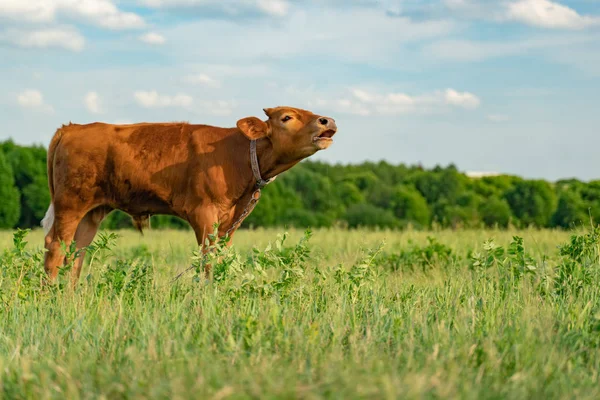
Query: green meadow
[(332, 313)]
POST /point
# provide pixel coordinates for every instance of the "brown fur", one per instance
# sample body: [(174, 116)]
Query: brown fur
[(199, 173)]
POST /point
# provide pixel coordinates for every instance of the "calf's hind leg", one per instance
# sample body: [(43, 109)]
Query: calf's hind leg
[(63, 230), (86, 231)]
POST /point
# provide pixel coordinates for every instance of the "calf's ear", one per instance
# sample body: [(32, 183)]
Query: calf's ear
[(253, 128)]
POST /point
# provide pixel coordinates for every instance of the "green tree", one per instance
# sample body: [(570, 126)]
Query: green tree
[(381, 195), (410, 206), (532, 201), (465, 211), (316, 190), (571, 210), (349, 194), (315, 193), (36, 199), (590, 193), (10, 205), (302, 218), (362, 178), (29, 167), (368, 215), (441, 183), (495, 211), (274, 202), (168, 221), (117, 219)]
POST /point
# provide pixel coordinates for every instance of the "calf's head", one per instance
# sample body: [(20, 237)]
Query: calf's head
[(294, 133)]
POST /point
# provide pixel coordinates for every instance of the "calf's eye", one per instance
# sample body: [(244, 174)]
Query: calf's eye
[(286, 118)]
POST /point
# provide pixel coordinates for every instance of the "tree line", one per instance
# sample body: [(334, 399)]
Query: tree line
[(371, 194)]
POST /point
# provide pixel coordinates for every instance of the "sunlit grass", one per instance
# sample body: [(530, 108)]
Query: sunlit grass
[(338, 324)]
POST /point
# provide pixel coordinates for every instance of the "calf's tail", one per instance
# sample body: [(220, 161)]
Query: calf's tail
[(48, 219)]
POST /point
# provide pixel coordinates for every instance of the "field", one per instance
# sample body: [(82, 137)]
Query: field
[(325, 315)]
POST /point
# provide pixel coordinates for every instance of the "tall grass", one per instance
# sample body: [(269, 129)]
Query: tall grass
[(328, 314)]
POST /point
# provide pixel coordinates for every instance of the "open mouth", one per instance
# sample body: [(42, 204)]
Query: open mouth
[(326, 135)]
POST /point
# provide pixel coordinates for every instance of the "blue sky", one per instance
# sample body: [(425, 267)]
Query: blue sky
[(509, 86)]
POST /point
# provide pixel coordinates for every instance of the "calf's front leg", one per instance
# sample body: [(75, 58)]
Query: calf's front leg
[(202, 221)]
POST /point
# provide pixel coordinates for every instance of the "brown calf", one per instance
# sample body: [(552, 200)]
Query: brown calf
[(200, 173)]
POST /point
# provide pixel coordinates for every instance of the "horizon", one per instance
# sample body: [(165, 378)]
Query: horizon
[(435, 82)]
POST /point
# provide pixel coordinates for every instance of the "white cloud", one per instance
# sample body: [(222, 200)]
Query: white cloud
[(153, 38), (202, 79), (363, 96), (219, 107), (276, 8), (362, 102), (548, 14), (464, 99), (152, 99), (62, 37), (329, 33), (92, 102), (28, 10), (103, 13), (540, 13), (347, 106), (351, 107), (31, 98)]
